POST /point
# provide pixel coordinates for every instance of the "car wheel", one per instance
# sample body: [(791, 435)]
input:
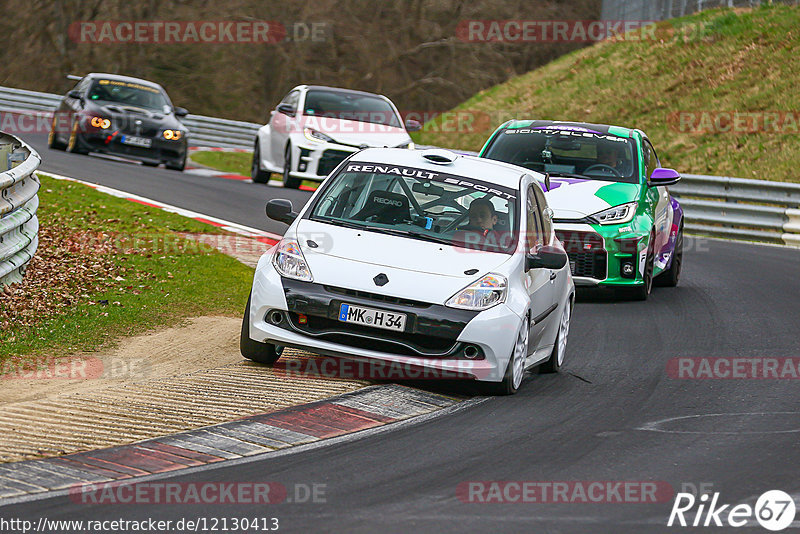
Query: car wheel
[(553, 364), (672, 276), (288, 181), (74, 143), (515, 370), (176, 165), (258, 176), (643, 291), (52, 139), (251, 349)]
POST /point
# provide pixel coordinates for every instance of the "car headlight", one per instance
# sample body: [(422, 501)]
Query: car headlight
[(617, 215), (481, 295), (100, 122), (290, 262), (313, 135), (409, 145), (172, 135)]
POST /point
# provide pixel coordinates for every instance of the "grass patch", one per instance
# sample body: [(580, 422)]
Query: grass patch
[(233, 162), (108, 268), (716, 61), (236, 163)]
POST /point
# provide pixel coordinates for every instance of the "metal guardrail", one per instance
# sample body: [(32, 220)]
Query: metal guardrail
[(203, 131), (714, 205), (738, 208), (666, 9), (19, 227)]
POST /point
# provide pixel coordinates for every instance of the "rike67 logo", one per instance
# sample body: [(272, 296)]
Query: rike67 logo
[(774, 510)]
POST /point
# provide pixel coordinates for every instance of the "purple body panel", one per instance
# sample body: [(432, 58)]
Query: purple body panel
[(555, 183), (677, 220)]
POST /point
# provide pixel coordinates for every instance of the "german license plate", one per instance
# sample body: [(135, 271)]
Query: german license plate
[(137, 141), (371, 317)]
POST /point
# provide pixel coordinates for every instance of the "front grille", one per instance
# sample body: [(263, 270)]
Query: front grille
[(329, 160), (587, 257), (364, 337), (377, 297), (589, 264)]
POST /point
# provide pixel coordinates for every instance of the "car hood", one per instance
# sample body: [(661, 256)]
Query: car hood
[(417, 270), (150, 118), (575, 198), (357, 133)]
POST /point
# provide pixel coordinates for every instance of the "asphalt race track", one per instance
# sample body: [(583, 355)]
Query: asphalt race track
[(611, 415), (233, 200)]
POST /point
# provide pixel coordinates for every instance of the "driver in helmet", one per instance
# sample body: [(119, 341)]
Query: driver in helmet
[(609, 155)]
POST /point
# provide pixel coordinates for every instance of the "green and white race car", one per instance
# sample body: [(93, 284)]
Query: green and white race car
[(612, 211)]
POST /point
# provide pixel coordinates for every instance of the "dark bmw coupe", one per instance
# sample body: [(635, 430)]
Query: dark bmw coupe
[(120, 115)]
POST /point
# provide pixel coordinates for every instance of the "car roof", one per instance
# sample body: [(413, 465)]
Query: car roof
[(120, 78), (619, 131), (486, 170)]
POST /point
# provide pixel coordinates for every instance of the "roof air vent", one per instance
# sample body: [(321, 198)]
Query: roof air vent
[(439, 156)]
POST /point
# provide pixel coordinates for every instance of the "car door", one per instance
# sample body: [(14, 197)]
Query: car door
[(538, 281), (280, 125), (662, 207)]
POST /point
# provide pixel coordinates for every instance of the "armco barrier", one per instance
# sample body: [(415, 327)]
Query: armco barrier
[(715, 205), (203, 131), (740, 209), (19, 226)]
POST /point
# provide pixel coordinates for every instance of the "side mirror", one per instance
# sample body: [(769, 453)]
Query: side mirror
[(412, 125), (180, 112), (279, 209), (287, 109), (662, 177), (548, 257), (75, 94)]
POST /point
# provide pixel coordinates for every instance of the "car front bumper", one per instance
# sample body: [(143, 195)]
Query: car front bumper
[(160, 150), (316, 161), (435, 337), (607, 256)]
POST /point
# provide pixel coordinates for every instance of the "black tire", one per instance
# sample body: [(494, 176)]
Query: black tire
[(253, 350), (256, 174), (672, 276), (75, 145), (509, 386), (643, 291), (52, 138), (176, 165), (556, 360), (288, 181)]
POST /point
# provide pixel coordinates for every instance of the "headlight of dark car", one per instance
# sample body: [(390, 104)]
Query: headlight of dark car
[(100, 122), (172, 135)]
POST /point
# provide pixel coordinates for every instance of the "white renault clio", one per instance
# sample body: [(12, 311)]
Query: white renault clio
[(426, 259)]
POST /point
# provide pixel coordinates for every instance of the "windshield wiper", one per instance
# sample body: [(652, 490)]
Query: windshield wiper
[(409, 233)]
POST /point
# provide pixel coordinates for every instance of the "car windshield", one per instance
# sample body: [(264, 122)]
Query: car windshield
[(351, 106), (420, 204), (580, 151), (128, 93)]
